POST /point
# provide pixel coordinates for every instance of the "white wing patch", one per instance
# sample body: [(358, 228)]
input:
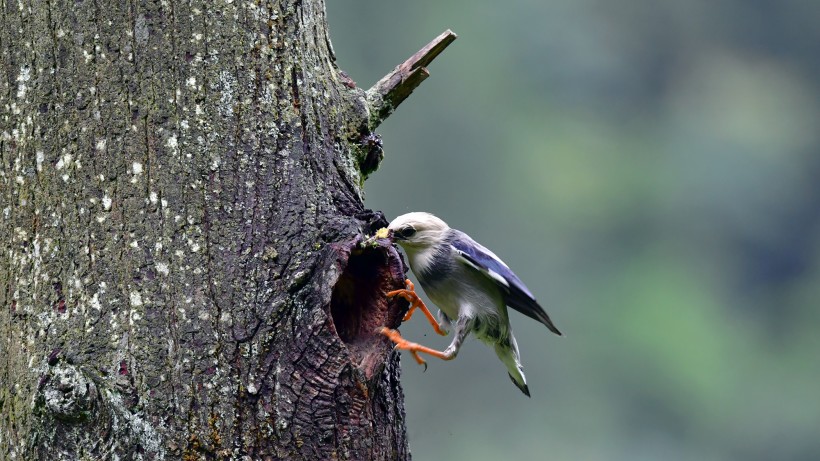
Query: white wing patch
[(495, 275), (466, 259)]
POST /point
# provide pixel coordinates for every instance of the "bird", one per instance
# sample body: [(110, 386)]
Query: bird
[(471, 286)]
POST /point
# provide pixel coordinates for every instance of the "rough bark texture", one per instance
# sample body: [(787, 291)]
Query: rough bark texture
[(180, 215)]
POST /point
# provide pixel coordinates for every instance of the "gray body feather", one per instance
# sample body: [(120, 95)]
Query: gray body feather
[(471, 299), (471, 286)]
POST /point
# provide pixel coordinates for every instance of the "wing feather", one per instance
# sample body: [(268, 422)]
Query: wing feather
[(516, 294)]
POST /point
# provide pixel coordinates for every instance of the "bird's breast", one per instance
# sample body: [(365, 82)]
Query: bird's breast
[(433, 271)]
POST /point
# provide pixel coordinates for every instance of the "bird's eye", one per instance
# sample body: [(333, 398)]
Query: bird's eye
[(407, 232)]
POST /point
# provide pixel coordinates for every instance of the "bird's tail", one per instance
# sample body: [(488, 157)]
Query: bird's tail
[(508, 353)]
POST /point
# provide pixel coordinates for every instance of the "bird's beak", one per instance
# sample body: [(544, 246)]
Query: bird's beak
[(391, 235)]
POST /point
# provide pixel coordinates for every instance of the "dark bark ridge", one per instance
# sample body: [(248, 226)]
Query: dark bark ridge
[(182, 272)]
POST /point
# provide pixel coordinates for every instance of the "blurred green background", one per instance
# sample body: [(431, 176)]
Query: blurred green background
[(651, 170)]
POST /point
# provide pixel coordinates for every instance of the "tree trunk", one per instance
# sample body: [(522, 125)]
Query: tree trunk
[(182, 274)]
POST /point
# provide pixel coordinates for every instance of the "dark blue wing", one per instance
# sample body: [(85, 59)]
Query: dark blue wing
[(516, 294)]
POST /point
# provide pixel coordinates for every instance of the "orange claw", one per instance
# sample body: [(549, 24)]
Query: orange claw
[(414, 348), (415, 302)]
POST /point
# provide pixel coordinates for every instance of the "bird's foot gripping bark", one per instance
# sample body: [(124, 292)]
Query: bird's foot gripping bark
[(410, 295), (414, 348)]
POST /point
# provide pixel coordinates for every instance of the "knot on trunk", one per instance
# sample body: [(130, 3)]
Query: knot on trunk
[(68, 394)]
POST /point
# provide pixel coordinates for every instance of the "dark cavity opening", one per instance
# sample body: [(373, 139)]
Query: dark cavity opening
[(359, 305)]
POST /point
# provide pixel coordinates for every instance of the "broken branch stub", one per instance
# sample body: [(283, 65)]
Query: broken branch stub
[(395, 87)]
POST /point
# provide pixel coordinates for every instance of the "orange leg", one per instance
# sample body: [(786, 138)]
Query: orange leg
[(414, 348), (415, 302)]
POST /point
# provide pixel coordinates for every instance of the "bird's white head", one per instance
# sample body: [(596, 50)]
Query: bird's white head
[(418, 230)]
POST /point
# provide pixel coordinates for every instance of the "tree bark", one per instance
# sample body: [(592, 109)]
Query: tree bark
[(182, 272)]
